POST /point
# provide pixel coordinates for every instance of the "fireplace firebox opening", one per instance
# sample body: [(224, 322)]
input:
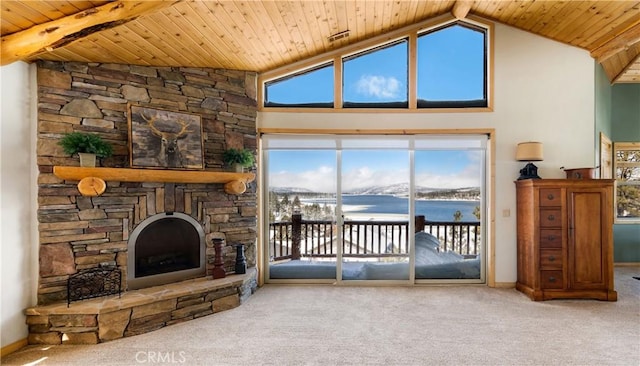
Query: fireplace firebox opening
[(165, 248)]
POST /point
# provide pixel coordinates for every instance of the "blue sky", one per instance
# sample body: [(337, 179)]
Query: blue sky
[(316, 170), (450, 67)]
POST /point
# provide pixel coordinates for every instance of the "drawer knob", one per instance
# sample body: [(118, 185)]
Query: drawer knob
[(551, 237), (551, 217), (552, 279), (550, 196), (552, 258)]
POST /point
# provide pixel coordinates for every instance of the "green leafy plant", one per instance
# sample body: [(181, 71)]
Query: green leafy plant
[(80, 142), (243, 157)]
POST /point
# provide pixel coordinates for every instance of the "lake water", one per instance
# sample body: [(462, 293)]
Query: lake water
[(433, 210)]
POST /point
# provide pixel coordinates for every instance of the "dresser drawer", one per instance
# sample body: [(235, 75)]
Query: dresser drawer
[(550, 238), (550, 258), (550, 197), (550, 218), (551, 280)]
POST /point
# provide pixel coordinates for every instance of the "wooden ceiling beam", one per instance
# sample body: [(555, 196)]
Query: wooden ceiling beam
[(622, 72), (61, 32), (617, 43), (461, 8)]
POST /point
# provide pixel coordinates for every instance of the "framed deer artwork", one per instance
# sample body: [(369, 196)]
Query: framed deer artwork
[(165, 139)]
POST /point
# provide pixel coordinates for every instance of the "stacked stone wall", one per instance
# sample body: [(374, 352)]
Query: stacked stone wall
[(78, 232)]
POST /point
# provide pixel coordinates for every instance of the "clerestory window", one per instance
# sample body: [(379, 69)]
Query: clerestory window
[(433, 66), (452, 67), (377, 78), (312, 88)]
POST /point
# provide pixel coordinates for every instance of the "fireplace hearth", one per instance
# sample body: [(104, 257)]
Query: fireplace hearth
[(165, 248)]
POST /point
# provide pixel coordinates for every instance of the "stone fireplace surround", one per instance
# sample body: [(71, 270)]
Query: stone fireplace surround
[(78, 232)]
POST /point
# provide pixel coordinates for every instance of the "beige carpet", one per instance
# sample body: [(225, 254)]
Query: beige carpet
[(328, 325)]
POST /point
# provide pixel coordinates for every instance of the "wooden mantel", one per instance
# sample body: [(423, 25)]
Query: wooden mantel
[(234, 183)]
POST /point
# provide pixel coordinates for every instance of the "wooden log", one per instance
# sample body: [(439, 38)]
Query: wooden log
[(461, 9), (235, 183), (92, 186), (619, 42), (150, 175), (61, 32), (235, 187)]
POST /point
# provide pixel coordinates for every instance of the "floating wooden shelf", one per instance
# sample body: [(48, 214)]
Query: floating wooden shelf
[(234, 183)]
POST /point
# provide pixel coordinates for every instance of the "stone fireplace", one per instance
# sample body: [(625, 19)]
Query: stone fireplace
[(165, 248), (81, 232)]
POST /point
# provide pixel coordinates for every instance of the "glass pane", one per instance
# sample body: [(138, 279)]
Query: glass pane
[(451, 67), (377, 78), (375, 206), (628, 155), (312, 88), (448, 207), (628, 165), (301, 208), (628, 172), (628, 201)]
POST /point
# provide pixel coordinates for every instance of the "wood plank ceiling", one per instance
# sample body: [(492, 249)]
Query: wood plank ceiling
[(264, 35)]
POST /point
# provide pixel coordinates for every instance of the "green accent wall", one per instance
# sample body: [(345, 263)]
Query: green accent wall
[(603, 109), (617, 115), (625, 127), (625, 112)]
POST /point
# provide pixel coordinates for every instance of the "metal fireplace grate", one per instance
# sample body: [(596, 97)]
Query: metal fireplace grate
[(94, 282)]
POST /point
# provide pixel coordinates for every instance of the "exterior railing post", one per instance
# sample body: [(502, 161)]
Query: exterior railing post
[(419, 223), (296, 233)]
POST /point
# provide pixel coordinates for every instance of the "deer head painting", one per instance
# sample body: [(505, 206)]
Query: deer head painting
[(165, 139)]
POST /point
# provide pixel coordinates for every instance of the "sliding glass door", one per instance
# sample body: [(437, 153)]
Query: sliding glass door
[(374, 208), (374, 184), (449, 201), (301, 205)]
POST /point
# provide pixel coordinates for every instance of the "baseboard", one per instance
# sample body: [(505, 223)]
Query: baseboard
[(627, 264), (10, 348), (504, 285)]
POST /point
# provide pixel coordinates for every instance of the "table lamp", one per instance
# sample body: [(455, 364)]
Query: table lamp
[(529, 151)]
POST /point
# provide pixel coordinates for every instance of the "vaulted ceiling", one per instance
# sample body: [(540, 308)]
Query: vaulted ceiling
[(264, 35)]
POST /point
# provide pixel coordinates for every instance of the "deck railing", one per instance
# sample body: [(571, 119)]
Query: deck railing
[(378, 239)]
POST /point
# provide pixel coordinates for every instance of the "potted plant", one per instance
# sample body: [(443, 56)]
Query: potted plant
[(88, 146), (238, 159)]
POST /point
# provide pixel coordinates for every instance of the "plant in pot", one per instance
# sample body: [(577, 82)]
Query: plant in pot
[(88, 146), (238, 159)]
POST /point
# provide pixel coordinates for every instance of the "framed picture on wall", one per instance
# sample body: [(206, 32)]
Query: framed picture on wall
[(165, 139)]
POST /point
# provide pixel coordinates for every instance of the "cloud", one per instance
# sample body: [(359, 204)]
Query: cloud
[(459, 180), (378, 86), (467, 176), (322, 179), (366, 177)]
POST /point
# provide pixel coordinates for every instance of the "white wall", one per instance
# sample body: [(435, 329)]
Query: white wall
[(18, 174), (544, 91)]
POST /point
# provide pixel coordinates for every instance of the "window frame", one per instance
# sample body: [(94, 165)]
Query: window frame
[(411, 32), (617, 146)]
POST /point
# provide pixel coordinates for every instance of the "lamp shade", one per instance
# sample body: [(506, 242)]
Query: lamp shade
[(529, 151)]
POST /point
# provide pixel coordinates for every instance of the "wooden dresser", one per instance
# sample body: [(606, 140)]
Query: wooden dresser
[(565, 238)]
